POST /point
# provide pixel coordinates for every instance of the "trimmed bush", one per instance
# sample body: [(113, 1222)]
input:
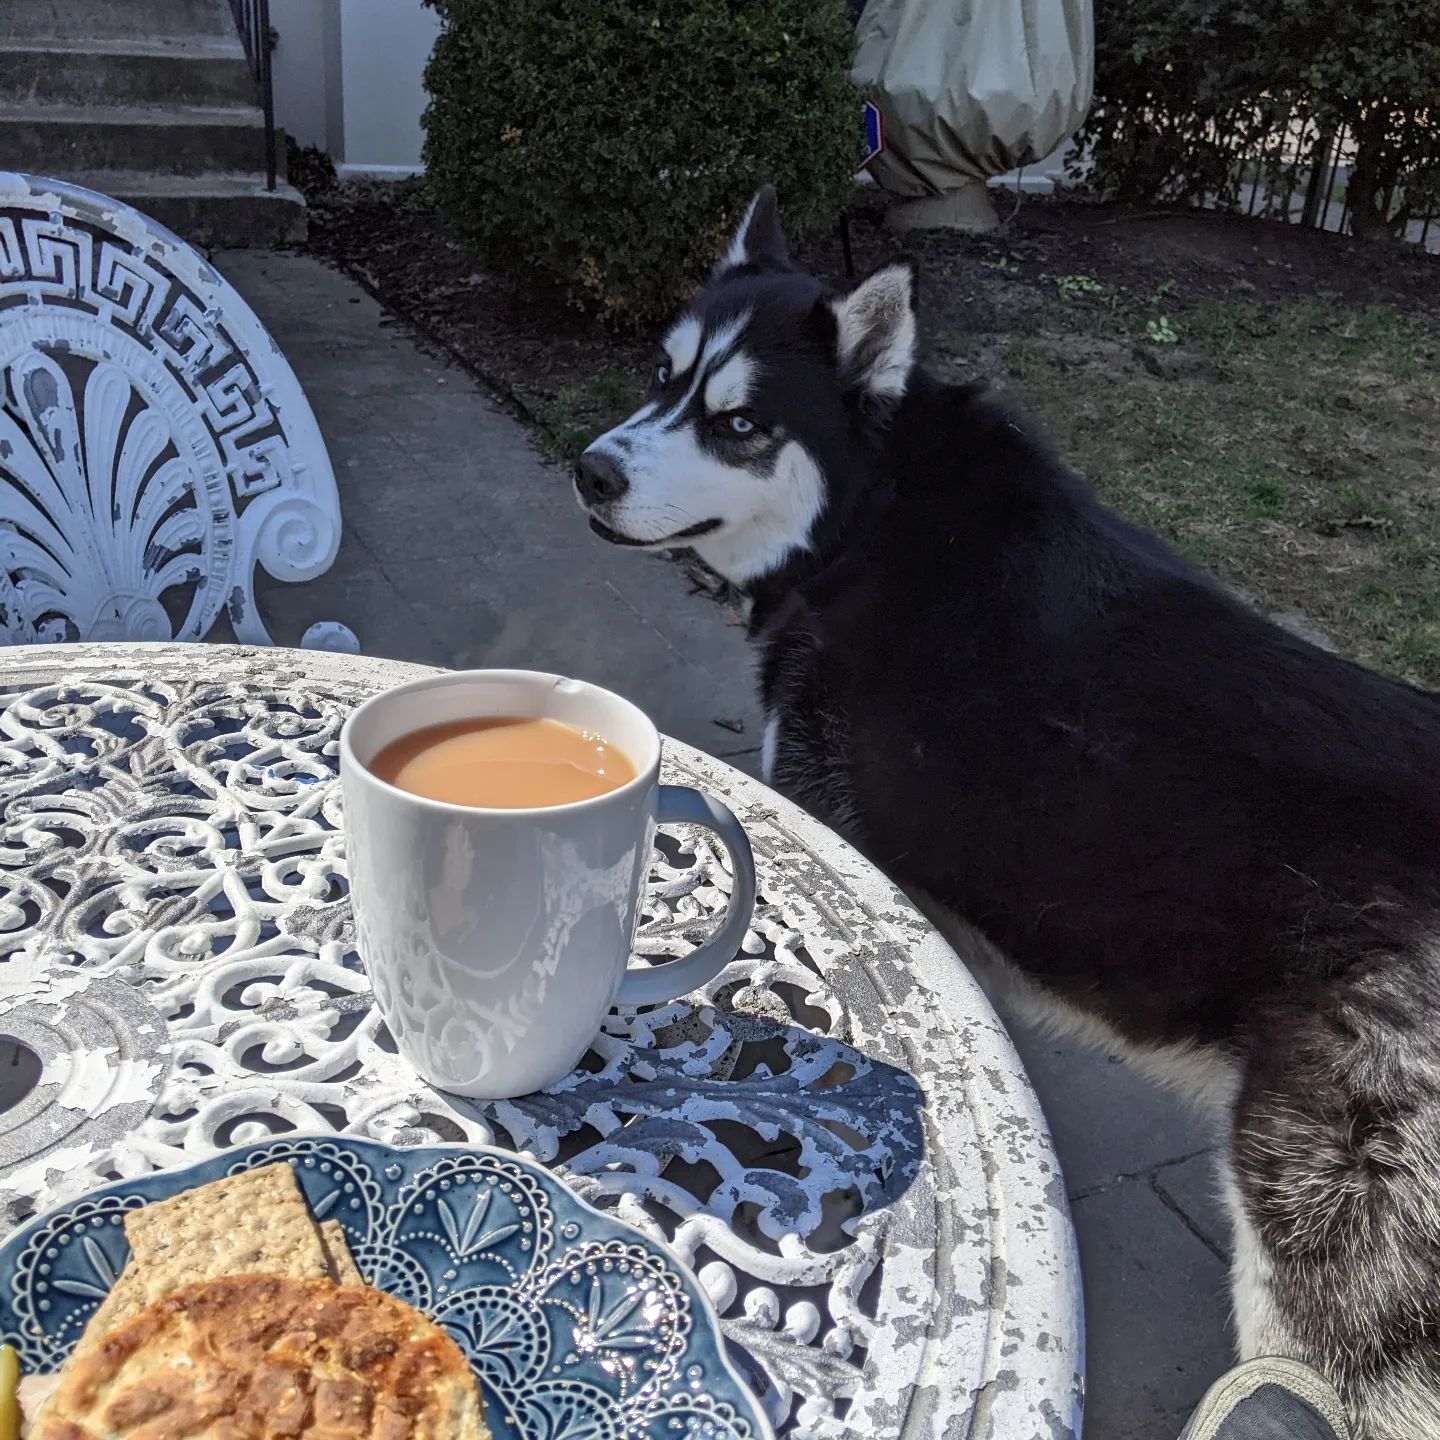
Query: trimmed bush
[(612, 144)]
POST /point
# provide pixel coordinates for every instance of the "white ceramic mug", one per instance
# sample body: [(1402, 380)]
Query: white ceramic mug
[(496, 940)]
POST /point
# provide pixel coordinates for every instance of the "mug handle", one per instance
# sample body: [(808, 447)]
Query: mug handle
[(655, 984)]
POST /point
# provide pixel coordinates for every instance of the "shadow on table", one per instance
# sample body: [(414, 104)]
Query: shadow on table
[(770, 1155)]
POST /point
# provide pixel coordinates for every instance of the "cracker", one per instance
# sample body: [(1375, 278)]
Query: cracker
[(125, 1301), (253, 1223), (343, 1270)]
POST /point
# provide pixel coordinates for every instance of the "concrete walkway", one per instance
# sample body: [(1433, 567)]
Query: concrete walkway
[(462, 547)]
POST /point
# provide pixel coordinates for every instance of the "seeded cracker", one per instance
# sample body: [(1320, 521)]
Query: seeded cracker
[(124, 1302), (253, 1223), (337, 1250)]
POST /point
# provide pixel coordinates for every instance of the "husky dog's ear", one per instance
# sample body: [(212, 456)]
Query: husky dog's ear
[(759, 241), (875, 332)]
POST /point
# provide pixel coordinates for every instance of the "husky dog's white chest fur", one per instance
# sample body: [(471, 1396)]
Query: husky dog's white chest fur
[(769, 747)]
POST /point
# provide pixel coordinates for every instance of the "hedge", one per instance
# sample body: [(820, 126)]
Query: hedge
[(1184, 87), (611, 144)]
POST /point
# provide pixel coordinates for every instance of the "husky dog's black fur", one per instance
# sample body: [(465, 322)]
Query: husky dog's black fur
[(1178, 826)]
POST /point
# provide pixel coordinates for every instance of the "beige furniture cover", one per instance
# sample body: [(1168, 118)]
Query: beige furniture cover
[(972, 88)]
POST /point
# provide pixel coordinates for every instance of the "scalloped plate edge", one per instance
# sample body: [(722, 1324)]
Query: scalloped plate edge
[(705, 1311)]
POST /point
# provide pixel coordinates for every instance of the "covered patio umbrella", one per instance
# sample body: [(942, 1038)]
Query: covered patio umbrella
[(970, 89)]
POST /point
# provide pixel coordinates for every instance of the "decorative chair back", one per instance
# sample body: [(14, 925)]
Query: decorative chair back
[(154, 445)]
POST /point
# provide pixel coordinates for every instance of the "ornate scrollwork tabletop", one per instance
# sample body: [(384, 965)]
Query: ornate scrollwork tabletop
[(836, 1135)]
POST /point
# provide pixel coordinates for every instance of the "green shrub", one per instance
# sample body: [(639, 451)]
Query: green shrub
[(1184, 88), (611, 144), (1375, 67)]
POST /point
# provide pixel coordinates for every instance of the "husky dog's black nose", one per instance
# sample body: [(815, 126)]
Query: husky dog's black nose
[(599, 479)]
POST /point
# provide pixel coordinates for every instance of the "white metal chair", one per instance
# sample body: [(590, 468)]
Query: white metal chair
[(155, 447)]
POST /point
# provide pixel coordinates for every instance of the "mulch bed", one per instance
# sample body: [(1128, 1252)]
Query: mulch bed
[(524, 342)]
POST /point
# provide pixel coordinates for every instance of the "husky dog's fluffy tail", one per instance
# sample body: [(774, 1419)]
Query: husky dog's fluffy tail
[(1334, 1193)]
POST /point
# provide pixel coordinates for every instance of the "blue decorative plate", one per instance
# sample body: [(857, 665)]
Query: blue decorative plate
[(577, 1326)]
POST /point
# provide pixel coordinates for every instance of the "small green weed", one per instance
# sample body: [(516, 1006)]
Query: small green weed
[(1072, 287)]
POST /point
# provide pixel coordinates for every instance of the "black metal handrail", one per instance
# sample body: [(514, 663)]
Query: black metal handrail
[(252, 17)]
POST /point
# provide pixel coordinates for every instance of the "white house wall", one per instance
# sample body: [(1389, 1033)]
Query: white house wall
[(349, 79), (298, 68)]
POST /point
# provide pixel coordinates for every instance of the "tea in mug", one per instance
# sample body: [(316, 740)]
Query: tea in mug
[(503, 763)]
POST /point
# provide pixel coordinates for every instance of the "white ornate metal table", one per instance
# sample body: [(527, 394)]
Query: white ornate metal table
[(836, 1134)]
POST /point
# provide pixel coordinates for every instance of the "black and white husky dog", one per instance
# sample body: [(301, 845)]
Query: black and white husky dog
[(1177, 827)]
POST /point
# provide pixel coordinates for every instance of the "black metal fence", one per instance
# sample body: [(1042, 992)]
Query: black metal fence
[(252, 17), (1284, 166)]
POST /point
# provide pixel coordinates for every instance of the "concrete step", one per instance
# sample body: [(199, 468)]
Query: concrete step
[(197, 70), (211, 211), (173, 139), (112, 19)]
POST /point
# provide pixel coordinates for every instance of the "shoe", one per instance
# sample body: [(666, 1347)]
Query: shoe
[(1269, 1399)]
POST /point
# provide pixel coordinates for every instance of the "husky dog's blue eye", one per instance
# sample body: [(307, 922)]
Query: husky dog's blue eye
[(662, 374), (740, 425)]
